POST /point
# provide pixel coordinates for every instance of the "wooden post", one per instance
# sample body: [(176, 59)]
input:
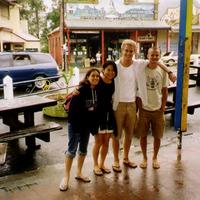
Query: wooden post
[(102, 48)]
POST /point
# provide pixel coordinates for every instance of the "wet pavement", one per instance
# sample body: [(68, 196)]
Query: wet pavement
[(37, 176)]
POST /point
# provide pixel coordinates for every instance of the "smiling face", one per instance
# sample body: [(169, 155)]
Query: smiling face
[(153, 55), (109, 72), (128, 51), (93, 78)]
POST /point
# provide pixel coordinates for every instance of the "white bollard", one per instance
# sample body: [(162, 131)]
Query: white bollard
[(75, 78), (8, 88)]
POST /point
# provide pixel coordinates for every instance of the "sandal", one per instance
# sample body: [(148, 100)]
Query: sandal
[(129, 164), (83, 179), (143, 164), (105, 170), (63, 186), (97, 172), (155, 164), (116, 168)]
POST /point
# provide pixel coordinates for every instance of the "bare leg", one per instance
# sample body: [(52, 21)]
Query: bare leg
[(104, 150), (115, 144), (81, 159), (157, 142), (143, 145), (127, 145), (95, 152), (65, 181)]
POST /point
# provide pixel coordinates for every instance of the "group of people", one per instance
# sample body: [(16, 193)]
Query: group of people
[(106, 105)]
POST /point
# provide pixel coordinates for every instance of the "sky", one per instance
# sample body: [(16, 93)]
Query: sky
[(48, 3)]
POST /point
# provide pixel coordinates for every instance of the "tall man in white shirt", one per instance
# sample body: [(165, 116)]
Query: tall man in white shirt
[(124, 103)]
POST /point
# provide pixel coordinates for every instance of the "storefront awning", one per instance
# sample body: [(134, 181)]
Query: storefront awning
[(97, 24), (195, 28)]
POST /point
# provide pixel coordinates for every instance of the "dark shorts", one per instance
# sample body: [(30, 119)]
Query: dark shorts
[(106, 122), (151, 119)]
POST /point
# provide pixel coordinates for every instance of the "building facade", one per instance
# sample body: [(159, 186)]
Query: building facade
[(14, 34), (103, 25)]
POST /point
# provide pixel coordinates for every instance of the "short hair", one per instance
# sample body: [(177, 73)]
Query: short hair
[(154, 49), (128, 42)]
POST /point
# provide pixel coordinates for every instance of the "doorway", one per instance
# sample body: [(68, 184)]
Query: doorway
[(144, 49)]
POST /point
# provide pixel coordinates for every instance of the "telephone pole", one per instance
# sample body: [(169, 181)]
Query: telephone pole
[(62, 34)]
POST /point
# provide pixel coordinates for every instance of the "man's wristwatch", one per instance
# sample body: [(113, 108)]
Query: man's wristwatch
[(170, 72)]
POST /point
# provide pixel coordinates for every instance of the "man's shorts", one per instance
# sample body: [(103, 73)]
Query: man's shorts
[(151, 119), (125, 117)]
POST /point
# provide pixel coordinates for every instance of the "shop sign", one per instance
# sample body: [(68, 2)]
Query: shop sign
[(82, 1), (146, 38), (129, 2)]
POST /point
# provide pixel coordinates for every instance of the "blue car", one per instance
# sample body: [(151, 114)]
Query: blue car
[(25, 66)]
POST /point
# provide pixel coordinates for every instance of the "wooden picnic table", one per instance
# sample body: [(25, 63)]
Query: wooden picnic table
[(26, 106), (198, 73)]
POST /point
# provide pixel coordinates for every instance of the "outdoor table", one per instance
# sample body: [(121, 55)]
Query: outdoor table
[(198, 73), (27, 106), (172, 88)]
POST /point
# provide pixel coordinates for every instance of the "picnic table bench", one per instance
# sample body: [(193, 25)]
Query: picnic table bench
[(40, 131), (26, 128)]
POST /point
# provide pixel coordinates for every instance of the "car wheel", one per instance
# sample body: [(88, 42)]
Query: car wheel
[(39, 84), (171, 62)]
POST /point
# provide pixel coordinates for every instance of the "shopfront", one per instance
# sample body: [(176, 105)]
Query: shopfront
[(93, 29)]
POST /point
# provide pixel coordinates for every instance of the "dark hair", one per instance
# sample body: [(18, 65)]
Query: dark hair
[(85, 80), (105, 65)]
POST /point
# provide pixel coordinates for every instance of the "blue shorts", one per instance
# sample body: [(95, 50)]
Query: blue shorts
[(77, 140)]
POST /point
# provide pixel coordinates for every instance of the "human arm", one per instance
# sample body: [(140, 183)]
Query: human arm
[(76, 91), (171, 75), (139, 103), (164, 98)]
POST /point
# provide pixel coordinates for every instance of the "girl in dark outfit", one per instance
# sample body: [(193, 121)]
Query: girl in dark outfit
[(106, 117), (82, 120)]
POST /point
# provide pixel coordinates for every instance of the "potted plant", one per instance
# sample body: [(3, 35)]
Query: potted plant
[(58, 110)]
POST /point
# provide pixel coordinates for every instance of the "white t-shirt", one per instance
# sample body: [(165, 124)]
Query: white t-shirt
[(156, 79), (127, 84)]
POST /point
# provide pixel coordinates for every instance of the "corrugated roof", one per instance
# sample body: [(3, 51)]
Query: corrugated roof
[(27, 36), (96, 24)]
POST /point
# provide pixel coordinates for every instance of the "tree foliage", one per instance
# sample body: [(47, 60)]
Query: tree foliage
[(33, 12), (40, 21)]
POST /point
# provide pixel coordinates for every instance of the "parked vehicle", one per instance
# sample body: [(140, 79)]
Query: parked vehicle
[(171, 58), (24, 66)]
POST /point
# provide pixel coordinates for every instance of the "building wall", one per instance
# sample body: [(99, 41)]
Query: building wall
[(55, 47), (14, 32)]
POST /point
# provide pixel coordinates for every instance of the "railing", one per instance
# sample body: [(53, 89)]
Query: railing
[(49, 87)]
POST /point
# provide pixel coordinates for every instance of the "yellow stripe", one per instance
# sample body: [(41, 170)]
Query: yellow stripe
[(188, 35)]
